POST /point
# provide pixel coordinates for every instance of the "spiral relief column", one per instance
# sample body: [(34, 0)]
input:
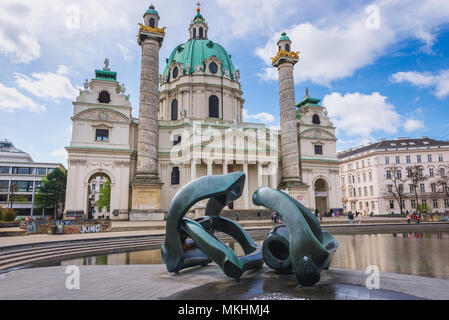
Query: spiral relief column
[(285, 61), (147, 187)]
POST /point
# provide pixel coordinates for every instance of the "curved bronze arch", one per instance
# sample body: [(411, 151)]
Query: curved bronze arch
[(179, 253), (310, 250)]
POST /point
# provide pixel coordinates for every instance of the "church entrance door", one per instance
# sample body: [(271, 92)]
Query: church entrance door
[(321, 196)]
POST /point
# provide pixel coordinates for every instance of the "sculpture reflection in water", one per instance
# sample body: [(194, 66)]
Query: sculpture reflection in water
[(300, 246)]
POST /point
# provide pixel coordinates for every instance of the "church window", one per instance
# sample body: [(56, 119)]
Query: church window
[(194, 33), (287, 47), (177, 140), (316, 119), (102, 135), (318, 149), (152, 23), (213, 68), (104, 97), (213, 107), (175, 176), (175, 72), (174, 110), (201, 33)]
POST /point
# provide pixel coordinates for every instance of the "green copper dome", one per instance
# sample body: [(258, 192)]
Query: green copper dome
[(195, 52), (284, 37), (151, 10), (199, 18)]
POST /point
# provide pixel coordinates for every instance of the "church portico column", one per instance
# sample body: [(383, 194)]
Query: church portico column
[(259, 175), (246, 189), (210, 168)]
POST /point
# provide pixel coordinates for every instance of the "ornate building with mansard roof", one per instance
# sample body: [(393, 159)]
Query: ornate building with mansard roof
[(190, 125)]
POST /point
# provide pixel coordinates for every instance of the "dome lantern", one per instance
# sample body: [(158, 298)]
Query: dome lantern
[(151, 17), (285, 43), (198, 28)]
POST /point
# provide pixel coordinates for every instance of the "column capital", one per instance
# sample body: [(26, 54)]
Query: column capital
[(147, 32)]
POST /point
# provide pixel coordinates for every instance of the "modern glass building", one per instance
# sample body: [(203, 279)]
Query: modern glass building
[(20, 179)]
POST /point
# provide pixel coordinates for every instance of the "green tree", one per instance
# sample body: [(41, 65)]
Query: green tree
[(12, 193), (51, 194), (424, 208), (105, 197)]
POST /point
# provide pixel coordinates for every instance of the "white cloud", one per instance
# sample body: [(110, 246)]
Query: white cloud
[(413, 124), (59, 153), (263, 117), (48, 85), (249, 15), (125, 51), (17, 39), (12, 100), (335, 47), (330, 53), (439, 81), (361, 115)]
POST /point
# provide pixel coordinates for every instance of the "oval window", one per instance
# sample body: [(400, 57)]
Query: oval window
[(104, 97), (213, 68), (175, 72)]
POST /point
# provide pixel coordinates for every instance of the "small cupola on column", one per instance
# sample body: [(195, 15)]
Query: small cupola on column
[(285, 43), (151, 18), (198, 28)]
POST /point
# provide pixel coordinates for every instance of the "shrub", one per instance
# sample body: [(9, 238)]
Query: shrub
[(7, 214)]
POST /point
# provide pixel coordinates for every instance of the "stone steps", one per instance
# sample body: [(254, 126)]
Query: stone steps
[(31, 254)]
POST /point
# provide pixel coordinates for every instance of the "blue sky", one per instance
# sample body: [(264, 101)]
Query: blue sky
[(380, 67)]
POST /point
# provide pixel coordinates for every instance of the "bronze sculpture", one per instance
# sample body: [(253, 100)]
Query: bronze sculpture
[(300, 246)]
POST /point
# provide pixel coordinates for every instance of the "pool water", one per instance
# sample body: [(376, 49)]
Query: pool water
[(423, 254)]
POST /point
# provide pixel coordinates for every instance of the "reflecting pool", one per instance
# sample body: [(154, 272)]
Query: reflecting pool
[(424, 254)]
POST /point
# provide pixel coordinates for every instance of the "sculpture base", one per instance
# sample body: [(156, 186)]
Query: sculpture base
[(146, 202), (298, 191), (147, 215)]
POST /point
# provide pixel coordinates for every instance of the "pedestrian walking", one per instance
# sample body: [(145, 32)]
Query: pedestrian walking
[(272, 217), (237, 216), (258, 215), (350, 217), (359, 218), (408, 217)]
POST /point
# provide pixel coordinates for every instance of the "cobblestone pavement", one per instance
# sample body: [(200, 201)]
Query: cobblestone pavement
[(151, 282)]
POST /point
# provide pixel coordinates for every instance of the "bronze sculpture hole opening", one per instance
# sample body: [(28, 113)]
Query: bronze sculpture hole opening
[(279, 250)]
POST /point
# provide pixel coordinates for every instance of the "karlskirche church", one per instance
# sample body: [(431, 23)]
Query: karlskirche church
[(190, 125)]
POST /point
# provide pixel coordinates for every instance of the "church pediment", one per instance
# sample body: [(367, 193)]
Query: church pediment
[(315, 133), (240, 141), (101, 115)]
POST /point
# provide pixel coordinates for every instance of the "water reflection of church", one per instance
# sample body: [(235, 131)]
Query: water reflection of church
[(191, 127)]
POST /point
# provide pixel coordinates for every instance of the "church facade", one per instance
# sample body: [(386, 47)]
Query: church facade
[(190, 125)]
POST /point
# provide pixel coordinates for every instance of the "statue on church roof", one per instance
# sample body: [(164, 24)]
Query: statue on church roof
[(106, 65)]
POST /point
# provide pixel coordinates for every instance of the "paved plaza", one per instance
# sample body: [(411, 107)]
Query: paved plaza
[(153, 282)]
